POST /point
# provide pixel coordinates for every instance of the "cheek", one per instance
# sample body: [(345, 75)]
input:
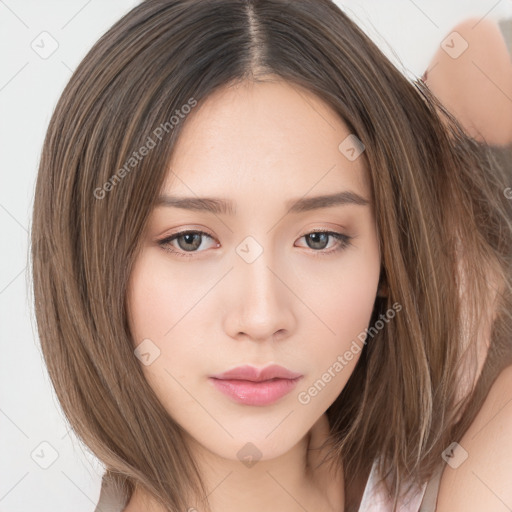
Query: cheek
[(168, 316), (344, 304), (355, 298), (346, 292), (159, 297)]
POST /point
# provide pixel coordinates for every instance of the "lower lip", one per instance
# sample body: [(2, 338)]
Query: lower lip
[(255, 393)]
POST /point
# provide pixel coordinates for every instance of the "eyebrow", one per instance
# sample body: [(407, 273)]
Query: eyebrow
[(227, 207)]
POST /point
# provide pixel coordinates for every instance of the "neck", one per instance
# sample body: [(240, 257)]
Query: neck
[(292, 482)]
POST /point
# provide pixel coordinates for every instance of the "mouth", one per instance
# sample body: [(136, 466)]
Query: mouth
[(256, 393)]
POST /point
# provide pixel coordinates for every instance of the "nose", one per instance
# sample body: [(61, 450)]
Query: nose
[(260, 304)]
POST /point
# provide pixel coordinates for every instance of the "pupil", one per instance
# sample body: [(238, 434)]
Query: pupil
[(315, 237), (189, 238)]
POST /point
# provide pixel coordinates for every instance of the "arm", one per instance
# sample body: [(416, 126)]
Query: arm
[(476, 86)]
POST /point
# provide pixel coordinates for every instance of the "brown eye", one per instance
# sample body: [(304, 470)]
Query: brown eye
[(318, 241), (187, 242), (191, 241)]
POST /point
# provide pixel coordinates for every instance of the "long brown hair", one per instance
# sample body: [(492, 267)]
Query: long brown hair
[(442, 216)]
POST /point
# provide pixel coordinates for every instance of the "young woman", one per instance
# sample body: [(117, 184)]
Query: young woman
[(271, 273)]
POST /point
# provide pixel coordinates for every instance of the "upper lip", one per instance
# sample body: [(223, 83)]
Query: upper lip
[(254, 374)]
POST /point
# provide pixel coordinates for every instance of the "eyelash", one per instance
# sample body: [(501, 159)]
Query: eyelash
[(344, 243)]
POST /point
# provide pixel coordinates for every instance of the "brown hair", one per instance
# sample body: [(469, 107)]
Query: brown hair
[(442, 216)]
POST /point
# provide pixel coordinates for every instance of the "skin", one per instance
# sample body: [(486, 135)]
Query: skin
[(477, 85), (482, 480), (291, 306)]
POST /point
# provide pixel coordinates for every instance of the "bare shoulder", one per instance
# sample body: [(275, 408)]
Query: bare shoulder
[(479, 476)]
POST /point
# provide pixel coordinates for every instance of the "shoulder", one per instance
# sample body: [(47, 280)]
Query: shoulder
[(480, 474)]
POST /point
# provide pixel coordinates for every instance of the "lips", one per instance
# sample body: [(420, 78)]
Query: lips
[(254, 374), (252, 386)]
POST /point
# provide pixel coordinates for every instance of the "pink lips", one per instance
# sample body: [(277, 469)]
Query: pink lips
[(250, 386)]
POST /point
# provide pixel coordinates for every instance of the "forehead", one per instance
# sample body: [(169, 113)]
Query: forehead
[(263, 135)]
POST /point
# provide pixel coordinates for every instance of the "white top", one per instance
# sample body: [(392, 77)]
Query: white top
[(374, 499)]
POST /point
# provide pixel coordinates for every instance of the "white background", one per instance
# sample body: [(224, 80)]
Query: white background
[(408, 31)]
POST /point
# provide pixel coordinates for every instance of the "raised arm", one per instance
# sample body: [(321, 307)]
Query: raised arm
[(475, 84)]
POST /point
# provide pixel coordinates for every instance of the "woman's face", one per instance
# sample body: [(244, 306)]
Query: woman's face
[(258, 288)]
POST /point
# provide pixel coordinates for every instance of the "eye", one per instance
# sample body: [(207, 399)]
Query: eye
[(190, 241), (318, 240)]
